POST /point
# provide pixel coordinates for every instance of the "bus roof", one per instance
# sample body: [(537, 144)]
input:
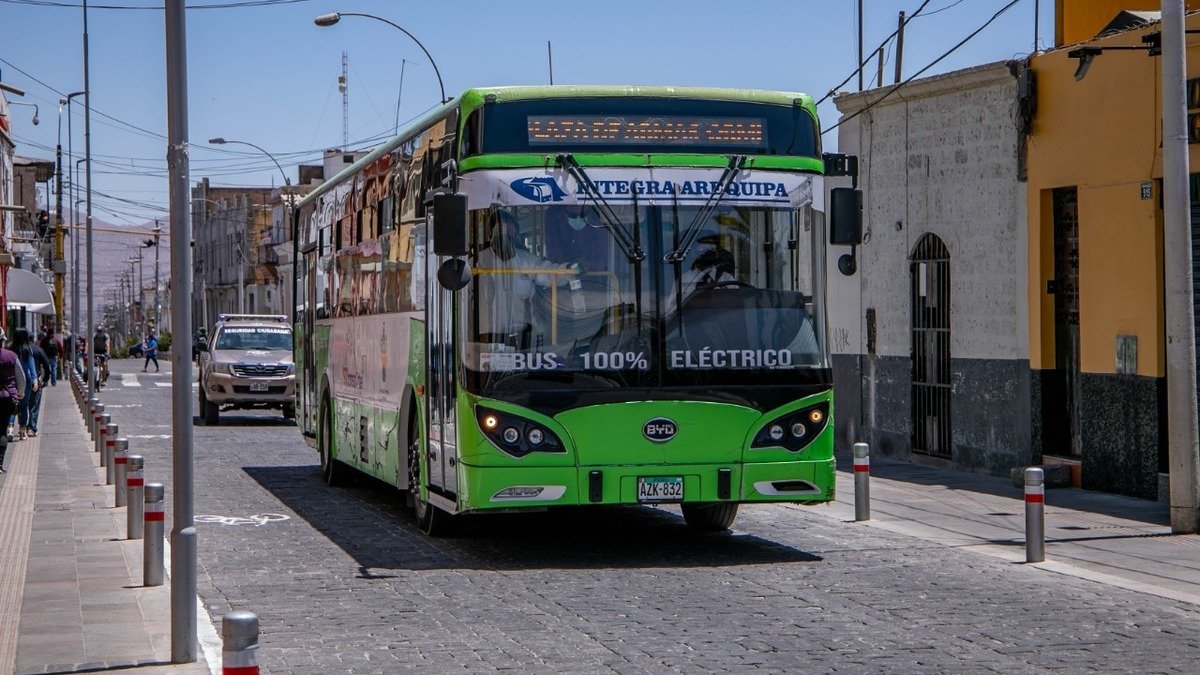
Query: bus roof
[(476, 97)]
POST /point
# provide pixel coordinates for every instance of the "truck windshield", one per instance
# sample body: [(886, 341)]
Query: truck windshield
[(552, 293)]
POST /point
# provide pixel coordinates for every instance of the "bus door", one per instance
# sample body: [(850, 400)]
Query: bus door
[(440, 382), (308, 395)]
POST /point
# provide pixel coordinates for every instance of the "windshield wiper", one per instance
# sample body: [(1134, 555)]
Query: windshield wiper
[(736, 162), (629, 246)]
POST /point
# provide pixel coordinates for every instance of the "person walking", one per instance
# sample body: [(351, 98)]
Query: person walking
[(21, 346), (52, 345), (42, 365), (150, 347), (12, 383)]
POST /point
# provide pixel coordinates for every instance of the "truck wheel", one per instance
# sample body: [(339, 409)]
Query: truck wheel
[(709, 517), (210, 410)]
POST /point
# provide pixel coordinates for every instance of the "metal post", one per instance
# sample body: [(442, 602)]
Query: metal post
[(89, 420), (152, 545), (239, 643), (135, 498), (861, 65), (1182, 432), (87, 153), (110, 445), (1035, 515), (899, 48), (862, 482), (183, 530), (101, 429), (121, 464), (879, 67)]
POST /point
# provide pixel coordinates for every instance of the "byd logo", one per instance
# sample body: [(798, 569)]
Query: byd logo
[(659, 429), (538, 189)]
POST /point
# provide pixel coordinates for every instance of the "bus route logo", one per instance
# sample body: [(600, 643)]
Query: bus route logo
[(659, 429), (540, 189)]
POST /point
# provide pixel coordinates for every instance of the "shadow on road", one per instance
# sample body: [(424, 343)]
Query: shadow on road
[(370, 522), (246, 420)]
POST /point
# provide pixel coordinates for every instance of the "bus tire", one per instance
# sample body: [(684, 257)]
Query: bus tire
[(331, 473), (211, 411), (709, 517), (431, 520)]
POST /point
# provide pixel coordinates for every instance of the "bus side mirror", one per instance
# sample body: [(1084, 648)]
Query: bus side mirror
[(845, 216), (449, 224)]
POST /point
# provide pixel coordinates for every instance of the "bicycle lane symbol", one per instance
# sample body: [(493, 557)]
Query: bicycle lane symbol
[(257, 520)]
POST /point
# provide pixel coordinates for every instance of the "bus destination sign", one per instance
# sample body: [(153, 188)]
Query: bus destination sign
[(742, 132)]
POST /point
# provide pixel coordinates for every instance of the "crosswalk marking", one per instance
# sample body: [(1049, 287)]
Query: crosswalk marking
[(129, 380), (162, 384)]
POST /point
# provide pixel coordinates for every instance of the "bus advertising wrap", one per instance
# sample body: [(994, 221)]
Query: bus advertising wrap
[(645, 186)]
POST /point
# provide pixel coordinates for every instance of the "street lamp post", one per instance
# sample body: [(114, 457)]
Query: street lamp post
[(59, 252), (333, 17)]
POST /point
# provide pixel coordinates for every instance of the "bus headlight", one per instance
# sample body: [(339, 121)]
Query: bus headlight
[(516, 436), (804, 425)]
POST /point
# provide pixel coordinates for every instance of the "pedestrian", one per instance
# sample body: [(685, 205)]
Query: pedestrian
[(150, 347), (42, 365), (52, 345), (23, 346), (12, 383)]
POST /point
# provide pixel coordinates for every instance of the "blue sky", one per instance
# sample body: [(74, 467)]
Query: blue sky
[(266, 74)]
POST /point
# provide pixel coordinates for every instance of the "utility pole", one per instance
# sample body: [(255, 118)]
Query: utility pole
[(157, 306), (1182, 433), (59, 265), (861, 65), (241, 265), (87, 153), (184, 643)]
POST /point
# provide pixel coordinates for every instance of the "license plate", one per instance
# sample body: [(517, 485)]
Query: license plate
[(660, 489), (258, 386)]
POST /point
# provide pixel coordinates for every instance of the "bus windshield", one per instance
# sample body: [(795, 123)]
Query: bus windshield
[(553, 292)]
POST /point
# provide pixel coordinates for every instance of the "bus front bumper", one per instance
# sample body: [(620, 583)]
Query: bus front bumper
[(541, 487)]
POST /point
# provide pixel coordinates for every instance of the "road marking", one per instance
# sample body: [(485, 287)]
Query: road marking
[(257, 520), (158, 436), (162, 384), (129, 380)]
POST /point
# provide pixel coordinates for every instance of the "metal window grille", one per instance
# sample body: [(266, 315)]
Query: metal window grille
[(930, 272)]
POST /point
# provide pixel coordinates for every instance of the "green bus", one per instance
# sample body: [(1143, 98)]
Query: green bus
[(577, 295)]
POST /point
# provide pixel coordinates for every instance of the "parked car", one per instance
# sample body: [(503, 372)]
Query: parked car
[(136, 351), (247, 364)]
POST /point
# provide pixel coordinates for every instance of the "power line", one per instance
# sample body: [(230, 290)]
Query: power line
[(881, 44), (920, 72)]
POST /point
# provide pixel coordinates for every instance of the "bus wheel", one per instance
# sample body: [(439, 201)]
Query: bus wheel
[(431, 520), (709, 517), (329, 469)]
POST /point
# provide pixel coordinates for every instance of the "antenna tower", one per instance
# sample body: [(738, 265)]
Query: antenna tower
[(343, 82)]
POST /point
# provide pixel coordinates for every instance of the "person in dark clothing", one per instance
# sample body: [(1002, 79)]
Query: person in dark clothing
[(12, 384), (52, 345), (42, 366), (22, 345)]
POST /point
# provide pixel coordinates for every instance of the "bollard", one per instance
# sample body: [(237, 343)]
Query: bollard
[(120, 458), (89, 419), (152, 544), (134, 498), (96, 423), (239, 643), (862, 482), (110, 447), (101, 433), (1035, 515)]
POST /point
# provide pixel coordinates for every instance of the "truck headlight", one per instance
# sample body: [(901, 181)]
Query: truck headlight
[(221, 368)]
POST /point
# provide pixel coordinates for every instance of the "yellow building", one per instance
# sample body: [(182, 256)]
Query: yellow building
[(1094, 170)]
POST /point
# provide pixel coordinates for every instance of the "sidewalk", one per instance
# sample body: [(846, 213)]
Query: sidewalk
[(71, 597), (1110, 539)]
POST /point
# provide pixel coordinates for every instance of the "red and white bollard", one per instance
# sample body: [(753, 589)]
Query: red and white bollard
[(110, 449), (152, 544), (239, 643), (134, 498), (862, 482), (102, 422), (1035, 515), (120, 468)]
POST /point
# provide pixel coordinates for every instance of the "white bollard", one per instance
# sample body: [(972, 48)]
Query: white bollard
[(1035, 515), (239, 643), (862, 482), (152, 544), (110, 445), (120, 467), (134, 498)]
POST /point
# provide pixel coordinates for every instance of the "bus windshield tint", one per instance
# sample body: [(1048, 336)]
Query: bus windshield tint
[(642, 125), (551, 291)]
